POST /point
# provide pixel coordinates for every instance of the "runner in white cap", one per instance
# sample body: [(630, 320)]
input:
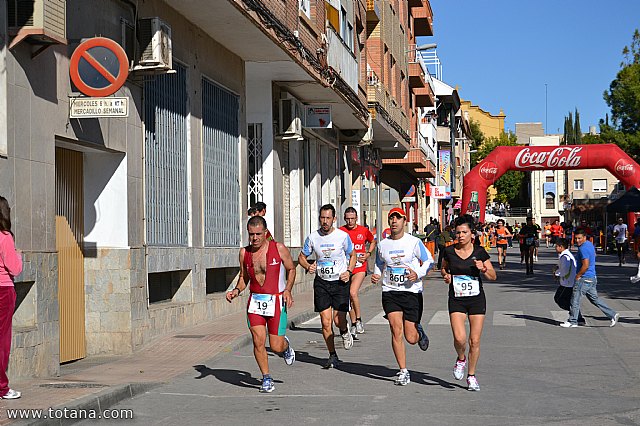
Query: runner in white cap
[(401, 263)]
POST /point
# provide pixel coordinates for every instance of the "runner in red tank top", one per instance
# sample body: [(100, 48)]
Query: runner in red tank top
[(268, 269), (360, 236)]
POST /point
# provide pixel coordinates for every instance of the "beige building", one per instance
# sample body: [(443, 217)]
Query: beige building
[(490, 124)]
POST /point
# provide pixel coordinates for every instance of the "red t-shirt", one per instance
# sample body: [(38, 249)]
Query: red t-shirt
[(359, 237), (556, 230)]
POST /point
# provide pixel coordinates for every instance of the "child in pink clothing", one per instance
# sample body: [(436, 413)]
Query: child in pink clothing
[(10, 267)]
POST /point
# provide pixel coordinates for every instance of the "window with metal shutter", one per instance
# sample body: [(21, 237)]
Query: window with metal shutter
[(166, 155), (220, 136)]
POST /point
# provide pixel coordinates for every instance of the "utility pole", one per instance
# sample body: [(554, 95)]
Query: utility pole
[(546, 116)]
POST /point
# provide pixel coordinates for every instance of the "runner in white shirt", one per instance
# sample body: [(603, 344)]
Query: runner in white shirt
[(335, 261), (401, 263), (621, 234)]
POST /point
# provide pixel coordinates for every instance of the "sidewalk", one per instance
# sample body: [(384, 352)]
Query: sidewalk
[(98, 383)]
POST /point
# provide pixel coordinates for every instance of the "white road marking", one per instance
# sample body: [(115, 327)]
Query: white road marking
[(509, 318), (560, 316), (271, 395), (313, 321), (378, 320), (440, 318), (629, 319)]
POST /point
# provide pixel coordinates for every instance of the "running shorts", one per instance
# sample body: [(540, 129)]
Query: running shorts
[(410, 304), (473, 305), (277, 324), (503, 246), (331, 294)]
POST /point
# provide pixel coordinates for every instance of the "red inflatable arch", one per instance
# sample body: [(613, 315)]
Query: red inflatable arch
[(564, 157)]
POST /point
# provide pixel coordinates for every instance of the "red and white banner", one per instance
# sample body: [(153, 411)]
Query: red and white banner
[(566, 157)]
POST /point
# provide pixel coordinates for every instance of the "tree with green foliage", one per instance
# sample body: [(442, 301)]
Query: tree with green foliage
[(572, 132), (509, 184), (623, 96), (478, 139), (569, 134), (577, 131)]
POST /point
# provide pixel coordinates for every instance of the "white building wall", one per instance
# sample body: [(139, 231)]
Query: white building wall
[(259, 110), (105, 187)]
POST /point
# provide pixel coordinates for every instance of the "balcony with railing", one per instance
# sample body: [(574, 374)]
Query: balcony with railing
[(378, 94), (373, 11), (422, 17), (342, 59)]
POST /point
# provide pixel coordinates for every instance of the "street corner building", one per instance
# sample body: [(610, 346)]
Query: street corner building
[(130, 166)]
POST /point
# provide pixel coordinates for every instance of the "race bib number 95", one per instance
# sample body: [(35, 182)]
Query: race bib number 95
[(262, 304), (465, 286)]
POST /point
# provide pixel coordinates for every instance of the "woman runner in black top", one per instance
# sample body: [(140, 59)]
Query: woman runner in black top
[(462, 269)]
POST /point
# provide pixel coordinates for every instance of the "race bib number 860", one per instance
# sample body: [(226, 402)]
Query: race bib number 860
[(397, 276)]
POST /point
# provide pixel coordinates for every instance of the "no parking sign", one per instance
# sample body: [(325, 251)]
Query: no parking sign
[(99, 67)]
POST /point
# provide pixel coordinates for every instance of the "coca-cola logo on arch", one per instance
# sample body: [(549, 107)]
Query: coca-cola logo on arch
[(624, 168), (562, 156), (489, 170)]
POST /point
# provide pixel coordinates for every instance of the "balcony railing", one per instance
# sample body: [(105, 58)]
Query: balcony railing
[(372, 77), (342, 59)]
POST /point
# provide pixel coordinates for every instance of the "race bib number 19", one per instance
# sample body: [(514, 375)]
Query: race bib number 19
[(327, 270), (465, 286), (262, 304)]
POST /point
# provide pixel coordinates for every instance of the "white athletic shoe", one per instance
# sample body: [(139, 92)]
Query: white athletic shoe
[(614, 320), (402, 378), (359, 327), (12, 394), (472, 383), (458, 369), (567, 324), (347, 340), (634, 279), (289, 355)]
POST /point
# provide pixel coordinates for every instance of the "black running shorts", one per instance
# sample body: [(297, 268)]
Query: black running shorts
[(331, 294), (473, 305), (410, 304)]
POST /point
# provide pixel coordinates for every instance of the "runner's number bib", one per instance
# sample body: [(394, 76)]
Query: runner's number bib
[(262, 304), (397, 276), (327, 270), (465, 286)]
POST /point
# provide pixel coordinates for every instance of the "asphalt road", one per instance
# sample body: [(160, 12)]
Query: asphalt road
[(531, 371)]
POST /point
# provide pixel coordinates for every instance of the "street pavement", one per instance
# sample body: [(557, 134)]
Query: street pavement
[(531, 371)]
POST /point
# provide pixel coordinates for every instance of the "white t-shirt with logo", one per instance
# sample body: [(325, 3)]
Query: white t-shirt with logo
[(331, 252), (622, 232), (396, 257)]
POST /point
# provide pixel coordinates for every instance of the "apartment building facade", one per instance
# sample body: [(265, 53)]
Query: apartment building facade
[(130, 226)]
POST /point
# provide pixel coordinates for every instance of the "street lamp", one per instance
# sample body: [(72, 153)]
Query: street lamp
[(423, 47)]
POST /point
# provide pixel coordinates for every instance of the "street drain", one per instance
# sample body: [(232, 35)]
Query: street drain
[(72, 385), (189, 336)]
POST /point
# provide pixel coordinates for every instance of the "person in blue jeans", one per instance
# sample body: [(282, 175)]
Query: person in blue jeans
[(586, 281)]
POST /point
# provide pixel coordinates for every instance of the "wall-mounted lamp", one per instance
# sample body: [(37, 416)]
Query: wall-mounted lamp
[(423, 47)]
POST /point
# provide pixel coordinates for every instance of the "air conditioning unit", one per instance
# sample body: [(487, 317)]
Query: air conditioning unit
[(37, 21), (291, 115), (154, 38)]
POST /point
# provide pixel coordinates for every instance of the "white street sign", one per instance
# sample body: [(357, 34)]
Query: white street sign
[(98, 107)]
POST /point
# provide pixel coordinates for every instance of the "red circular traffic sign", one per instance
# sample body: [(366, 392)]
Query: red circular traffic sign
[(99, 67)]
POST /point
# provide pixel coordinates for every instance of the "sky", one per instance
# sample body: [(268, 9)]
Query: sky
[(501, 53)]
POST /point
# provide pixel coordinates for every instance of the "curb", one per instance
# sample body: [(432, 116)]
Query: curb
[(118, 393), (97, 402)]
